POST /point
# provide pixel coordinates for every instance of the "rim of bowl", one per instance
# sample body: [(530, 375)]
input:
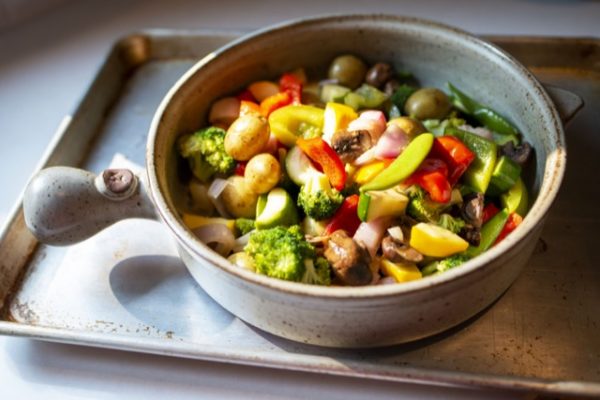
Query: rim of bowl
[(550, 184)]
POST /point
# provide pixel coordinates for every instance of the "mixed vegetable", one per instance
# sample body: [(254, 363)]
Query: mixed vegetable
[(362, 178)]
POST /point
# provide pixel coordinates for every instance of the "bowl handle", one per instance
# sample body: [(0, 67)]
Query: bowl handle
[(567, 103), (64, 205)]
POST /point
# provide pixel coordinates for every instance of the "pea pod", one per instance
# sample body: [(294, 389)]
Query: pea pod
[(493, 121), (404, 165), (489, 233), (485, 115)]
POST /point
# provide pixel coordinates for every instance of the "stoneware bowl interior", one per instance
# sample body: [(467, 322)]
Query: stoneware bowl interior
[(434, 53)]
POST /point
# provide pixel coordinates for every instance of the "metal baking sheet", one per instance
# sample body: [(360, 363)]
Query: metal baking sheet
[(127, 289)]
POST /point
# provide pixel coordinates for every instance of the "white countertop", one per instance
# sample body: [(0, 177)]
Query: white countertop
[(46, 64)]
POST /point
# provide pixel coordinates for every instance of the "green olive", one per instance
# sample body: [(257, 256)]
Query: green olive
[(427, 103), (411, 126), (262, 173), (246, 137), (349, 71)]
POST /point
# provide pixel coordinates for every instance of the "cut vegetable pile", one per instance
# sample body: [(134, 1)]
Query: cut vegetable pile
[(362, 178)]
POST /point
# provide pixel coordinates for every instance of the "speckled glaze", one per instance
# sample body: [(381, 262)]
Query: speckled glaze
[(364, 316), (328, 316)]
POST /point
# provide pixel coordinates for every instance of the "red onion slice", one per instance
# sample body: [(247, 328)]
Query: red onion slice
[(217, 236), (214, 192), (393, 141), (378, 119), (241, 242), (479, 131), (396, 233), (370, 234), (224, 111)]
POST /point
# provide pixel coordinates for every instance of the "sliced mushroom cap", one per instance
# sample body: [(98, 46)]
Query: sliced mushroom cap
[(398, 252), (519, 154), (471, 234), (351, 144), (349, 261), (472, 209)]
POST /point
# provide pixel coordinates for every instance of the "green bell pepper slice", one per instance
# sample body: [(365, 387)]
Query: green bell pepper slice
[(505, 176), (516, 199), (479, 173)]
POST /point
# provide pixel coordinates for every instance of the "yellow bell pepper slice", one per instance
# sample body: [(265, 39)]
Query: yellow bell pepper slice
[(435, 241), (401, 272), (337, 116), (193, 221), (289, 122), (369, 171)]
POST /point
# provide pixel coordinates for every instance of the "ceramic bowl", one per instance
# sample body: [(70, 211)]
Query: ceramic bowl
[(351, 316)]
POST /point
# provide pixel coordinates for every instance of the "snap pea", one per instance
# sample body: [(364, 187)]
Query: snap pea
[(489, 233), (403, 166), (485, 115)]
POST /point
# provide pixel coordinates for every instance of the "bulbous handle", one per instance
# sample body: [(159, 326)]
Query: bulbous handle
[(567, 103), (64, 205)]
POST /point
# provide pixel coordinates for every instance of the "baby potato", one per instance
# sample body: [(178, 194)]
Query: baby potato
[(246, 137), (239, 200), (262, 173)]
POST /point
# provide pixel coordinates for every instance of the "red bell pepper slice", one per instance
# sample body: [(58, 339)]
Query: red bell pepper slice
[(240, 168), (246, 95), (346, 217), (432, 177), (489, 211), (291, 84), (321, 153), (511, 224), (455, 153), (272, 103)]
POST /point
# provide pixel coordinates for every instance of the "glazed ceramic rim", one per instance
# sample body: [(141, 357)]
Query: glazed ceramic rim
[(552, 177)]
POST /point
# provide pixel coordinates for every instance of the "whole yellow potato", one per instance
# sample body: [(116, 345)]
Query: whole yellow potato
[(262, 173), (246, 137), (239, 200)]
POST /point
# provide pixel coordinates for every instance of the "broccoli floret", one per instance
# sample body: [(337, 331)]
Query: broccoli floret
[(445, 264), (200, 168), (420, 207), (244, 225), (205, 150), (282, 253), (317, 272), (317, 198), (453, 224)]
